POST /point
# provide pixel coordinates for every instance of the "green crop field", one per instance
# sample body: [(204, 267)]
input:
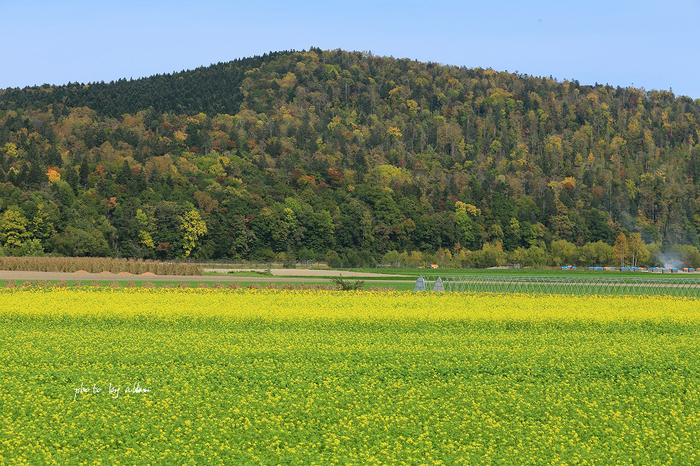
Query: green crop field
[(322, 377), (524, 272)]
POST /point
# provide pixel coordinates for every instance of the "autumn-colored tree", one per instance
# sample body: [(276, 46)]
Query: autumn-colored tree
[(53, 175), (193, 228), (621, 250), (637, 250), (144, 229)]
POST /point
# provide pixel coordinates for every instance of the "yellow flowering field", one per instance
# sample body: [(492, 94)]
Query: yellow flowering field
[(209, 376)]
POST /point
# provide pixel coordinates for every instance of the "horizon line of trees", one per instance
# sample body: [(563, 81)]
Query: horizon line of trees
[(626, 252)]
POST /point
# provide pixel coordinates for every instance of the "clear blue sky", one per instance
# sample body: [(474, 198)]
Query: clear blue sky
[(654, 45)]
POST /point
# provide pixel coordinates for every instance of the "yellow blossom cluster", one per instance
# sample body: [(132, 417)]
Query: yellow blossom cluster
[(324, 377)]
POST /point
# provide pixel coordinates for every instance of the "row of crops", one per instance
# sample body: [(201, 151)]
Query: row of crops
[(97, 265), (594, 285)]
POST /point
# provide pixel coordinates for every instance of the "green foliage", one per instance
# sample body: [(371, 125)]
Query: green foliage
[(346, 285), (563, 252), (597, 253), (81, 243), (193, 228), (13, 229), (349, 152), (31, 248)]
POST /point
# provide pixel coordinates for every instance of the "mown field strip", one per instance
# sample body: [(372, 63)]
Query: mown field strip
[(297, 377)]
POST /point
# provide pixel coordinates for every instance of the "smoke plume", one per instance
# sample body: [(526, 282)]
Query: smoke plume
[(670, 259)]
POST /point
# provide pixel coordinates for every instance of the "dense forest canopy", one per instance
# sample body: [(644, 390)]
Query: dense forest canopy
[(352, 158)]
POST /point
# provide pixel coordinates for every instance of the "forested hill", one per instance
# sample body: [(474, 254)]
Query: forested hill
[(213, 89), (347, 156)]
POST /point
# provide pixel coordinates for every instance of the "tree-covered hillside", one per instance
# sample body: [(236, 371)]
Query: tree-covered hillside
[(350, 157)]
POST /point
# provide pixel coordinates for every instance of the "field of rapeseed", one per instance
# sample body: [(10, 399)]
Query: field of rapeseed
[(318, 377)]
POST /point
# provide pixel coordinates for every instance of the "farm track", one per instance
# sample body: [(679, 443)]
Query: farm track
[(21, 275)]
